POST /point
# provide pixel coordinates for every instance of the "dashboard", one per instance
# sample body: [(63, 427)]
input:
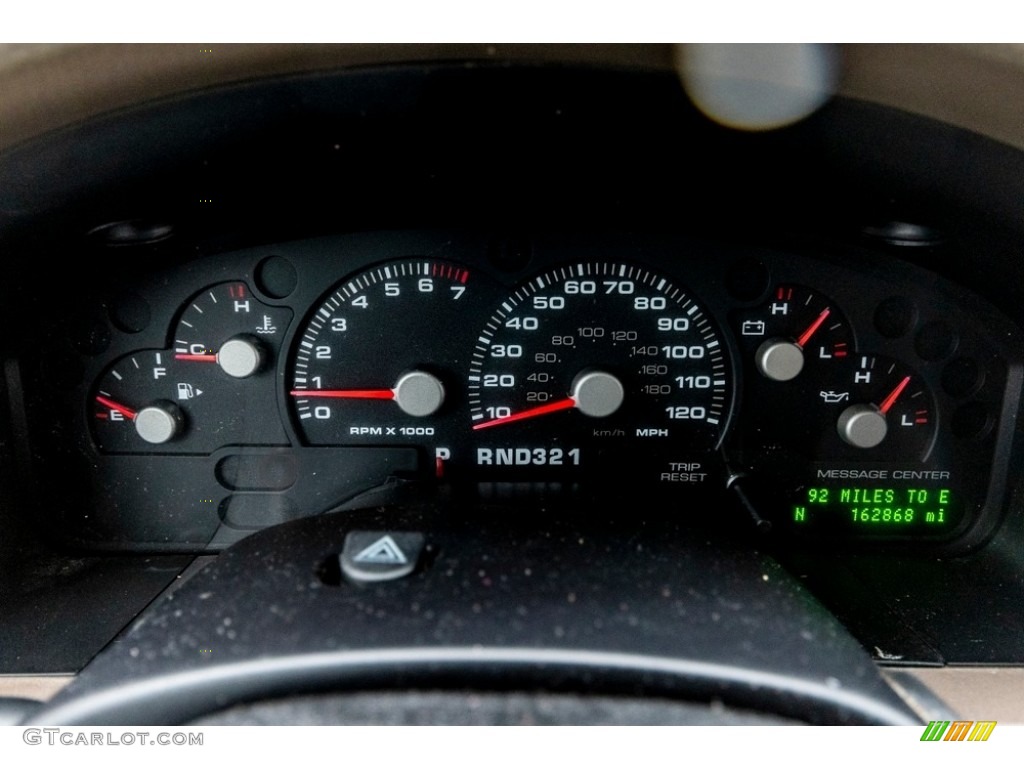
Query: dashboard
[(681, 412), (823, 394)]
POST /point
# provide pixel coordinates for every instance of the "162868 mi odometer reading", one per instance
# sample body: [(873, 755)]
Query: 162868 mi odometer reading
[(587, 359), (917, 509)]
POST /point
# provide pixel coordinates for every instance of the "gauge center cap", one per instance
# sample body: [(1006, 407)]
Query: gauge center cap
[(598, 393), (779, 360), (419, 393)]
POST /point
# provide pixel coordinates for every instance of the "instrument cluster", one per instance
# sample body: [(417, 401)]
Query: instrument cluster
[(829, 394)]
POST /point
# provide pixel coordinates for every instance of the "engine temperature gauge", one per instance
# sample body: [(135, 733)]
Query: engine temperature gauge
[(226, 326)]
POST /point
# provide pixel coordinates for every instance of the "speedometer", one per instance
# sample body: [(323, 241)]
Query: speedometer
[(585, 361)]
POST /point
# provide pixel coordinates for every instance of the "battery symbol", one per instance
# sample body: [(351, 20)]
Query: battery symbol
[(752, 328)]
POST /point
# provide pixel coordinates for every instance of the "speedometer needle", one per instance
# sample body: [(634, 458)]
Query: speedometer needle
[(558, 405), (594, 393)]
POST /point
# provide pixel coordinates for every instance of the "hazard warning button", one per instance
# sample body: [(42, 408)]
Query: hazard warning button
[(380, 555)]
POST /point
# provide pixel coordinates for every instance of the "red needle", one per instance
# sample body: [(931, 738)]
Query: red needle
[(197, 358), (891, 399), (806, 335), (128, 413), (559, 405), (359, 394)]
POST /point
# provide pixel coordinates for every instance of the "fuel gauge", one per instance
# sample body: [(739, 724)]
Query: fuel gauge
[(150, 401), (135, 405)]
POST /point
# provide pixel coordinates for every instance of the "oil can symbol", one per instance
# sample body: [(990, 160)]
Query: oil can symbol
[(834, 397)]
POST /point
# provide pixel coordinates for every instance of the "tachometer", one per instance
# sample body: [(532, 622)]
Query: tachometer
[(586, 361), (377, 361)]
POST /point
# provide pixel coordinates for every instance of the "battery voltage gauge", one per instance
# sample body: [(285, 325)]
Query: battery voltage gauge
[(796, 329)]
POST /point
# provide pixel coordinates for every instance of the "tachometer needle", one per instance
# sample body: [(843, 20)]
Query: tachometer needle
[(356, 394), (559, 405), (418, 393), (128, 413), (893, 396), (806, 335)]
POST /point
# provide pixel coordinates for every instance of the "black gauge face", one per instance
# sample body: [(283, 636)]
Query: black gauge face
[(797, 331), (591, 376), (377, 362), (214, 388), (226, 327), (795, 347), (587, 363), (153, 402), (864, 408), (137, 403), (856, 457), (881, 410)]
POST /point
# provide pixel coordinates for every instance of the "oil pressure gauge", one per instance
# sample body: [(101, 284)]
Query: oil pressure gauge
[(861, 408), (881, 408)]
